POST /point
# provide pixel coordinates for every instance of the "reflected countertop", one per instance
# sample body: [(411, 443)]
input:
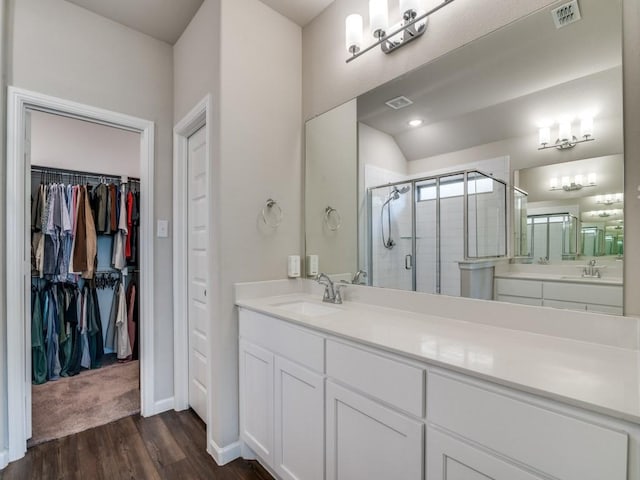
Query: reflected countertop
[(596, 377)]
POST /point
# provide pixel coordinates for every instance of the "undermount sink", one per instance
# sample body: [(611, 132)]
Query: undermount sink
[(309, 309)]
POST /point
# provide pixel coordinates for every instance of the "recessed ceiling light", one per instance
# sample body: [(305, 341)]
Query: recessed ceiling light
[(415, 123)]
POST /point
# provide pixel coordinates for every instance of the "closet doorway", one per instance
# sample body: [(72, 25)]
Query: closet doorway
[(71, 288)]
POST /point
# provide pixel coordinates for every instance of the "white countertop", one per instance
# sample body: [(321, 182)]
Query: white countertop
[(561, 278), (596, 377)]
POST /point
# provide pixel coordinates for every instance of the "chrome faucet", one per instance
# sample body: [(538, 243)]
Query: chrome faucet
[(332, 292), (591, 270), (356, 278)]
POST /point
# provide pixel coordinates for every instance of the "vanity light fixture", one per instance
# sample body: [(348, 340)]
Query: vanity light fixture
[(412, 25), (610, 199), (569, 184), (415, 123), (565, 138)]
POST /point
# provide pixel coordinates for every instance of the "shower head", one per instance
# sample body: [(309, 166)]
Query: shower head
[(395, 193)]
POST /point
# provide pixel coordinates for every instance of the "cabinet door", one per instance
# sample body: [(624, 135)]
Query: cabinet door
[(367, 441), (256, 399), (452, 459), (299, 422)]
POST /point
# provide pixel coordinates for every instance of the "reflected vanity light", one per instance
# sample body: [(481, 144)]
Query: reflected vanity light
[(412, 25), (569, 185), (610, 199), (566, 139)]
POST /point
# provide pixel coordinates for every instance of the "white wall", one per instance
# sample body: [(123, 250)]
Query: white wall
[(3, 166), (67, 143), (255, 82), (59, 49), (456, 25)]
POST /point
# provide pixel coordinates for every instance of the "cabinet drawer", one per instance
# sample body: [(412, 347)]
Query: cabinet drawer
[(556, 444), (519, 288), (392, 381), (581, 293), (536, 302), (286, 340)]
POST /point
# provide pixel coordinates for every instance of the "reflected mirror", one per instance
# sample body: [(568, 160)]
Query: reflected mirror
[(495, 171)]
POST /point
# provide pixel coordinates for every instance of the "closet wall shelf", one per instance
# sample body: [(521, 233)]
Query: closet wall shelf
[(78, 173)]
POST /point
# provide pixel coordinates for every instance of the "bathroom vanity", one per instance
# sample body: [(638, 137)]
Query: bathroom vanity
[(376, 388)]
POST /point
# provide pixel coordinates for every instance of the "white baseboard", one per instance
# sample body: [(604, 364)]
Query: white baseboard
[(163, 405), (4, 458), (224, 455)]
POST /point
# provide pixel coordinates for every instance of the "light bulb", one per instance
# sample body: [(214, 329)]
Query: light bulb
[(409, 8), (586, 127), (566, 181), (553, 183), (379, 17), (599, 199), (545, 136), (608, 199), (591, 179), (578, 179), (564, 131), (353, 33)]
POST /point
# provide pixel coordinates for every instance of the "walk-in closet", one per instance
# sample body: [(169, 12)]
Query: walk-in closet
[(84, 321)]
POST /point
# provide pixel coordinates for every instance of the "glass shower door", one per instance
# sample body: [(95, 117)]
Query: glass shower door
[(391, 236), (426, 261)]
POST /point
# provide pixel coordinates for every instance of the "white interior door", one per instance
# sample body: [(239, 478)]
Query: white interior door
[(198, 272), (27, 273)]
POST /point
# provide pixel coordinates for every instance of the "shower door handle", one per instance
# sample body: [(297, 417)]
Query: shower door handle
[(408, 262)]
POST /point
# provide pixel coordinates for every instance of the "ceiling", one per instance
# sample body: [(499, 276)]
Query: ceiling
[(506, 84), (299, 11), (166, 19)]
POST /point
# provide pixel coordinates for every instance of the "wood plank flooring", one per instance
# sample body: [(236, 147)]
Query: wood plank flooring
[(167, 446)]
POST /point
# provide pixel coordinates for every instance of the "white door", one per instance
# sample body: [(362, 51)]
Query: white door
[(198, 271), (299, 422), (27, 273), (367, 441), (256, 399), (452, 459)]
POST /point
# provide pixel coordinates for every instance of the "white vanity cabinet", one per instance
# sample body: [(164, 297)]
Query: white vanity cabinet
[(282, 396), (375, 405), (569, 295)]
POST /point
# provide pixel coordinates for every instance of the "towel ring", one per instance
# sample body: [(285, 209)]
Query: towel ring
[(329, 214), (272, 209)]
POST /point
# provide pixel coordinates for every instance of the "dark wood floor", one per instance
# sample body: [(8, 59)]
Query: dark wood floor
[(167, 446)]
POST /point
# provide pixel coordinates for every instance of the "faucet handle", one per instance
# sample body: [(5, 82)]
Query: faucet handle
[(338, 288)]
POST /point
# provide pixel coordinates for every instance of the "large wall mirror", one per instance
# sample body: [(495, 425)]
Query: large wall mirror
[(495, 171)]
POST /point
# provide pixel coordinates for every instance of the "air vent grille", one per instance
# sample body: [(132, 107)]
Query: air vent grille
[(398, 102), (566, 14)]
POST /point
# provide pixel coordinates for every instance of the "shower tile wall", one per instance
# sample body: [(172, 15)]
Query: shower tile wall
[(486, 223)]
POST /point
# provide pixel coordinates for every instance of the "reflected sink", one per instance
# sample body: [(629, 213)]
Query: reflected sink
[(307, 308)]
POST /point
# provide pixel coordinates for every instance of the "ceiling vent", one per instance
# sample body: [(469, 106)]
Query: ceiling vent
[(566, 14), (398, 102)]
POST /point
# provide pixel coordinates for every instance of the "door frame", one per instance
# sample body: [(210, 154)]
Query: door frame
[(198, 117), (19, 102)]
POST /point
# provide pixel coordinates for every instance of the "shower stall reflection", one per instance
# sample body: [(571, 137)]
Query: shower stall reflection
[(419, 230)]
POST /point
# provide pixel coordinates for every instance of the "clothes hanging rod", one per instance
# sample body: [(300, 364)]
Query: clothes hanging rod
[(79, 173)]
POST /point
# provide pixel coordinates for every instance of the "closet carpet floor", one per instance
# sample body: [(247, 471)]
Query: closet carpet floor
[(168, 446), (92, 398)]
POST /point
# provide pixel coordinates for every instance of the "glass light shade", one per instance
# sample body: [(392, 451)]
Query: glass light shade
[(553, 183), (564, 131), (545, 136), (578, 179), (409, 7), (591, 179), (608, 199), (353, 33), (586, 127), (378, 16), (599, 199), (619, 197), (566, 181)]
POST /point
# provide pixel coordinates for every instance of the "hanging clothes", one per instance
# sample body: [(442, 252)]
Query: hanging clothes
[(131, 317), (122, 332), (38, 355)]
